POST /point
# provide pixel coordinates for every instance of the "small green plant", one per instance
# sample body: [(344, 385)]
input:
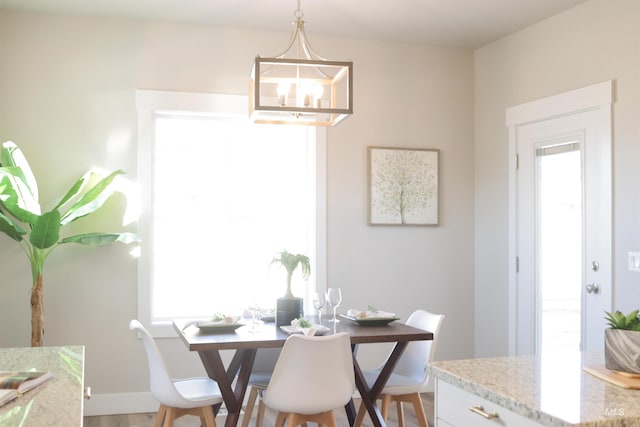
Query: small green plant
[(304, 323), (618, 320), (290, 262), (219, 317)]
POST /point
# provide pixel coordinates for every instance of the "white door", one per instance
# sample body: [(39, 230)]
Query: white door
[(561, 280)]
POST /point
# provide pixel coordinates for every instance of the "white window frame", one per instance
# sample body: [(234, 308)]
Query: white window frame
[(152, 102)]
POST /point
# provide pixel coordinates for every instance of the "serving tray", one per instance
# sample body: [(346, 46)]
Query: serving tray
[(613, 377)]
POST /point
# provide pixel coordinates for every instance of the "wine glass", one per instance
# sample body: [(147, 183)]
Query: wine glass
[(334, 298), (319, 302), (254, 313)]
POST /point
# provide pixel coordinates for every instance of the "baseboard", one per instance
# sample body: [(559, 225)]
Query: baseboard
[(125, 403), (120, 403)]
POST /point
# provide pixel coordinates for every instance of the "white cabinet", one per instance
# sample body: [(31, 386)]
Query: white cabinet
[(455, 407)]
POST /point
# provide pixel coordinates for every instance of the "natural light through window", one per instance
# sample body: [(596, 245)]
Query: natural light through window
[(224, 197)]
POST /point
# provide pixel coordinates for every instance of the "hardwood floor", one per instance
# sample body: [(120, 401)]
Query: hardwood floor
[(147, 420)]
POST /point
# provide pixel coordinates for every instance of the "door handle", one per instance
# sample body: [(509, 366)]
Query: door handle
[(593, 288)]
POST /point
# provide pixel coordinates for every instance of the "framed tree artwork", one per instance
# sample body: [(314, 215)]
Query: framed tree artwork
[(403, 186)]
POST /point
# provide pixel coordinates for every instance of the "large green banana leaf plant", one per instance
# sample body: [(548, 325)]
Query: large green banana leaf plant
[(38, 233)]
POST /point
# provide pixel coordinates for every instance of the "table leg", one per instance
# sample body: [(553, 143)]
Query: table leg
[(369, 395), (241, 365), (350, 409)]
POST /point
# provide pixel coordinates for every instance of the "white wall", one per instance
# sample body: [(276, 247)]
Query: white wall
[(67, 98), (596, 41)]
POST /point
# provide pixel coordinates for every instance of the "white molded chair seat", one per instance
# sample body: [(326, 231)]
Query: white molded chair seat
[(312, 377), (410, 377), (177, 397)]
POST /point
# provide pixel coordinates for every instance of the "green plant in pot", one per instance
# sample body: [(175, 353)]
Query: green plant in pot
[(38, 233), (622, 342), (290, 307)]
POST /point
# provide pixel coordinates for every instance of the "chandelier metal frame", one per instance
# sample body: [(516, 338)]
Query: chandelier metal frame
[(306, 90)]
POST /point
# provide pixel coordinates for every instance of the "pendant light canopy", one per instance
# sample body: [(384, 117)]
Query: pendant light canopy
[(306, 89)]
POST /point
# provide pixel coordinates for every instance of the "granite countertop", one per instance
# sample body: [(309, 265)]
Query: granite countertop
[(59, 401), (552, 389)]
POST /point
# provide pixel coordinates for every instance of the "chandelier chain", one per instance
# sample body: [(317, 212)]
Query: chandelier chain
[(298, 12), (299, 38)]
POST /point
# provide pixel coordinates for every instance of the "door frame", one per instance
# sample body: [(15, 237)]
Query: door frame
[(599, 95)]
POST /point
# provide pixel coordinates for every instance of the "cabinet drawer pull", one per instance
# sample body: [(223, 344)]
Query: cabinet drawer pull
[(480, 411)]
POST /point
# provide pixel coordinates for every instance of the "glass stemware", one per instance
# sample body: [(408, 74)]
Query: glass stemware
[(254, 313), (319, 302), (334, 298)]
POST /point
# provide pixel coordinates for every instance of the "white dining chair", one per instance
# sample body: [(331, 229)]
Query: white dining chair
[(410, 377), (312, 377), (177, 397)]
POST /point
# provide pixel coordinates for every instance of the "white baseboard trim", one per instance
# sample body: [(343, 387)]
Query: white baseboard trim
[(120, 403), (126, 403)]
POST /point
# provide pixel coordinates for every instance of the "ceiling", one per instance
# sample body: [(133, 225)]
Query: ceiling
[(464, 23)]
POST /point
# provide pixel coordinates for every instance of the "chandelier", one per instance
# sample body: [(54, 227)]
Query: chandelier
[(306, 89)]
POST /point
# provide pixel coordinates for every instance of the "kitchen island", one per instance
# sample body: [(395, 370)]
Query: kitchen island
[(528, 391), (56, 403)]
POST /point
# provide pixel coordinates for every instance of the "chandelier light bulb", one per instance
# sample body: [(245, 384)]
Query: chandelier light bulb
[(283, 93), (317, 90), (306, 93)]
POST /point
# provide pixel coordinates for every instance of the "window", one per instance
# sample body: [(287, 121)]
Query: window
[(222, 197)]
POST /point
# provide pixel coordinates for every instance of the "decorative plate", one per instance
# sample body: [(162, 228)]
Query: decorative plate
[(370, 321), (217, 327), (320, 329)]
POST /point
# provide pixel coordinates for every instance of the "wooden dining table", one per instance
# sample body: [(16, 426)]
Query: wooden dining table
[(245, 343)]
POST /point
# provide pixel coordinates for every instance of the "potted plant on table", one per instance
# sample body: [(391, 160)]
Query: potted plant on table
[(39, 233), (622, 342), (290, 307)]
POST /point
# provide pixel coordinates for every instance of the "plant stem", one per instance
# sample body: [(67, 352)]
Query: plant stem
[(37, 313), (289, 294), (37, 258)]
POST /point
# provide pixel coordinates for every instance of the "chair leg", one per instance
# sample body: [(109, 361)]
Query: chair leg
[(419, 408), (384, 409), (253, 395), (292, 420), (400, 413), (331, 422), (415, 400), (162, 411), (260, 415), (322, 419), (170, 416), (207, 417), (280, 419), (360, 417)]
